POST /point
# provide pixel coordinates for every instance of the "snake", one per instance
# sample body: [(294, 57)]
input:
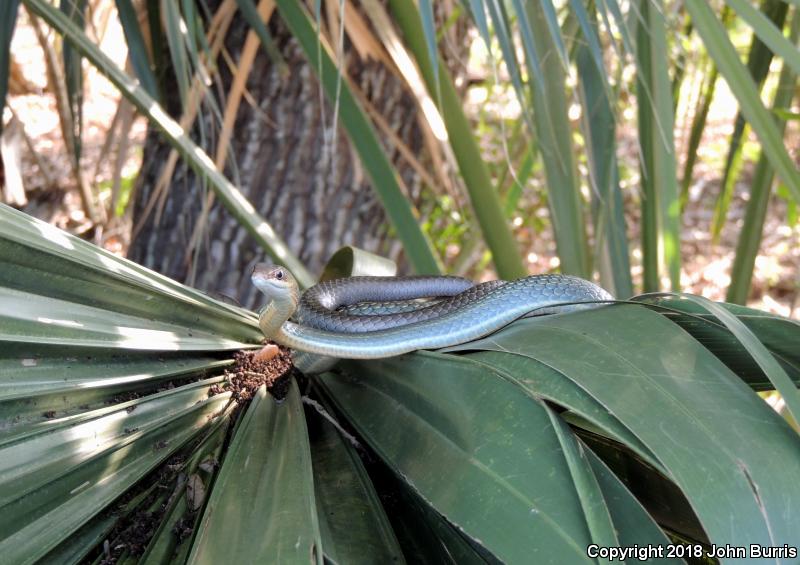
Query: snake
[(377, 317)]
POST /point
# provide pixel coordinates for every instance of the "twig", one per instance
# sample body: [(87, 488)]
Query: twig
[(324, 413)]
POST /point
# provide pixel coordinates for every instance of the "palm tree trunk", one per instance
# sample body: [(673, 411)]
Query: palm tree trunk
[(315, 204)]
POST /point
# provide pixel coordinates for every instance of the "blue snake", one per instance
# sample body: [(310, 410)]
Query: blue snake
[(375, 317)]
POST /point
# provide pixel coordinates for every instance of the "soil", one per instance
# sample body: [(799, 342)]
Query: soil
[(132, 534), (248, 374)]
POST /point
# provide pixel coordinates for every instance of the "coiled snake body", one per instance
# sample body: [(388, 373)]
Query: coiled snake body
[(374, 317)]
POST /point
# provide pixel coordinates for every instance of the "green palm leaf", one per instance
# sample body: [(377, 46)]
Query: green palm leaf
[(553, 434)]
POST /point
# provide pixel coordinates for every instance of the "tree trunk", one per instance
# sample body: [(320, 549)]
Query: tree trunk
[(279, 166)]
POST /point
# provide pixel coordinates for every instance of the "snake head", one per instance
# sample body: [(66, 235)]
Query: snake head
[(273, 280)]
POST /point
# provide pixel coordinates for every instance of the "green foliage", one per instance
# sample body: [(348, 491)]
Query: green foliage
[(556, 57), (482, 193), (255, 487), (660, 205), (743, 87), (628, 424), (750, 235), (758, 62), (111, 414), (137, 49)]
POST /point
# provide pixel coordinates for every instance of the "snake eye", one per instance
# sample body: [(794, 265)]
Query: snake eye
[(279, 275)]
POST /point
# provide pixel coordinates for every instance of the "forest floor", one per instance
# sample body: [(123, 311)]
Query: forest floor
[(52, 192)]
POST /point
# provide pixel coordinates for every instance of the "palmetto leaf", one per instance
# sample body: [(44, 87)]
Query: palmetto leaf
[(105, 372), (535, 439), (668, 399), (628, 424), (255, 488)]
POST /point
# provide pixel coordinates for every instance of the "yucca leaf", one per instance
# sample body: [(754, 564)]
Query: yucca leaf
[(75, 10), (137, 49), (365, 141), (660, 204), (230, 197), (554, 137), (751, 232), (266, 473), (742, 86), (758, 63), (474, 171), (769, 32), (611, 240)]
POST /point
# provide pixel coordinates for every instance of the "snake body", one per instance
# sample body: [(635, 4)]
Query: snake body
[(365, 304), (465, 315)]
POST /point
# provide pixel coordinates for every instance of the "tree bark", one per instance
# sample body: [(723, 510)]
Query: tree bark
[(278, 150)]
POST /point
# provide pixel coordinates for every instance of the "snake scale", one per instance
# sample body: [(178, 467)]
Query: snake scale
[(375, 317)]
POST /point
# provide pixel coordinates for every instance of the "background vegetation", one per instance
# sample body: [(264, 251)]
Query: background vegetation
[(555, 147), (494, 186)]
